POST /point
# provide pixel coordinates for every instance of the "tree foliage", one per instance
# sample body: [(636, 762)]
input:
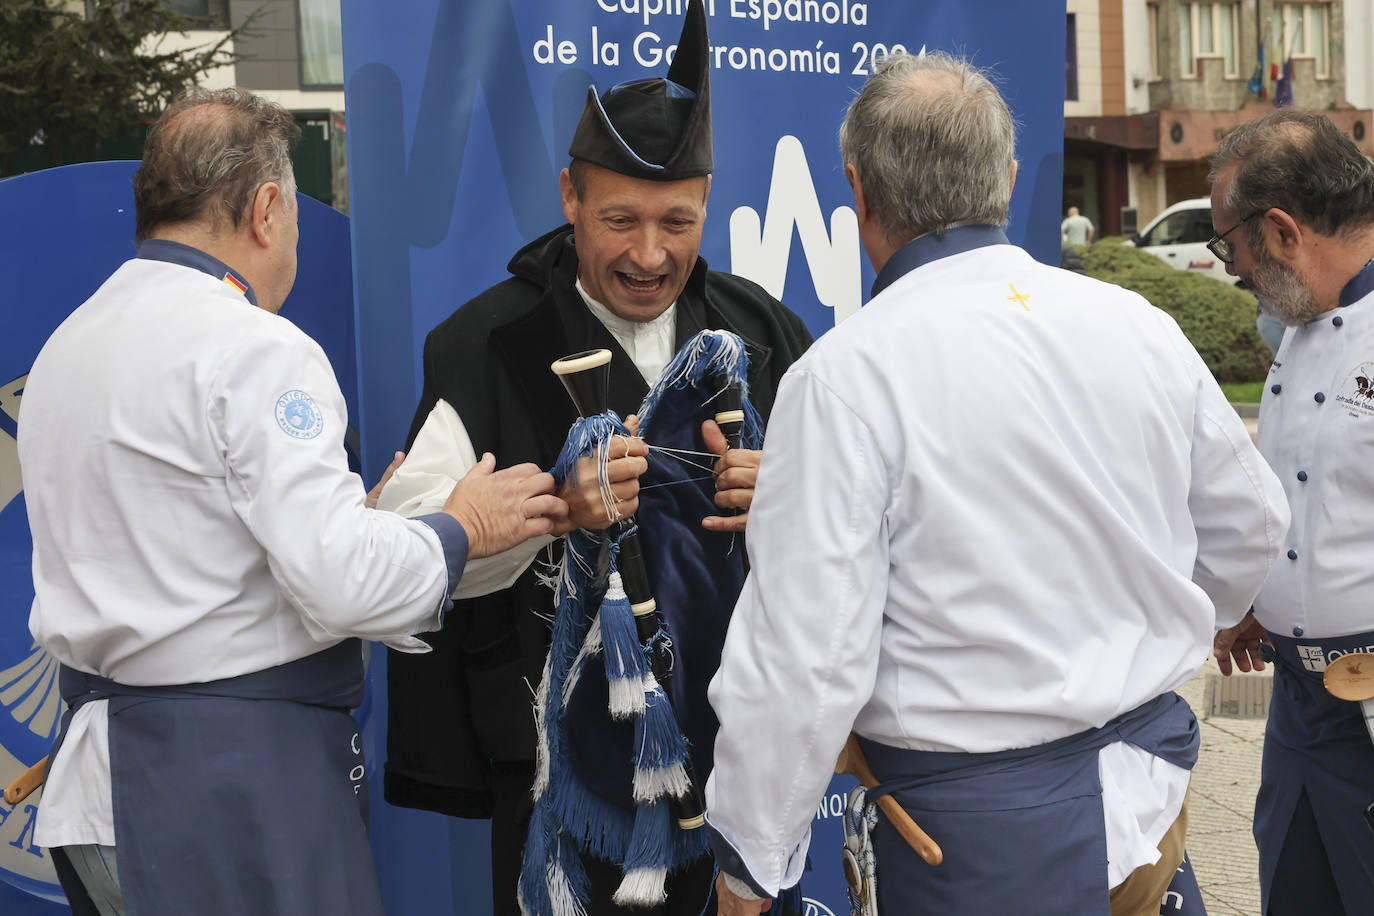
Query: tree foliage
[(1217, 318), (69, 81)]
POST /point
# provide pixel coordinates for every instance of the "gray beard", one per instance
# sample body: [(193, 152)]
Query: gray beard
[(1285, 296)]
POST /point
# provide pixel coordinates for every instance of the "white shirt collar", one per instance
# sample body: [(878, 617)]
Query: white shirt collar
[(649, 344)]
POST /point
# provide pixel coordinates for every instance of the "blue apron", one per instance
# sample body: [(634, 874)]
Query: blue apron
[(243, 795), (1184, 897), (1316, 743), (1039, 808)]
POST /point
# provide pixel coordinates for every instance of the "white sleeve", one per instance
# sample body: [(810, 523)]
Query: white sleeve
[(1238, 506), (438, 458), (277, 414), (800, 658)]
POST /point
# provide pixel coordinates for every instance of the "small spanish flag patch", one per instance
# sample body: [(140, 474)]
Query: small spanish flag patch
[(236, 283)]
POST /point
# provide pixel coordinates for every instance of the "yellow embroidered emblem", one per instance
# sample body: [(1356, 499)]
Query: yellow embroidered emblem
[(1019, 297)]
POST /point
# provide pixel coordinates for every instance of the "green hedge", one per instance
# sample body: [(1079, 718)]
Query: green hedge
[(1218, 318)]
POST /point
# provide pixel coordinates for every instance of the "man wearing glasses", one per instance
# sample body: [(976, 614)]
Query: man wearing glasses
[(1293, 203)]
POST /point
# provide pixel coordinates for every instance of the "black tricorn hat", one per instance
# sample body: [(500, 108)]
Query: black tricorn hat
[(659, 129)]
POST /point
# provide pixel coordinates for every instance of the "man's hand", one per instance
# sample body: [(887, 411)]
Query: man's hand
[(499, 509), (376, 492), (586, 507), (727, 904), (736, 471), (1241, 642)]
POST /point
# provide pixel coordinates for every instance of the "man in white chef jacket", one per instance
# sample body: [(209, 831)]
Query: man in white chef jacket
[(1027, 508), (204, 562), (1293, 208)]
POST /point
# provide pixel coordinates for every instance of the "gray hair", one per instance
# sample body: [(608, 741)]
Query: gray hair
[(933, 143), (1300, 163), (208, 154)]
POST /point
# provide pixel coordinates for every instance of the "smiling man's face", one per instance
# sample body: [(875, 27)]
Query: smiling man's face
[(637, 240)]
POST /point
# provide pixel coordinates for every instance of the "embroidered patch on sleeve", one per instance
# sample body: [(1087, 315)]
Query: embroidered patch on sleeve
[(298, 416)]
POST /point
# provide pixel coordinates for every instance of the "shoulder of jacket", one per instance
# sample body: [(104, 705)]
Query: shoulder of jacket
[(473, 322), (743, 299)]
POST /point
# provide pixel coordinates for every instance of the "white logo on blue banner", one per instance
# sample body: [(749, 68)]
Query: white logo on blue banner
[(815, 908), (30, 705)]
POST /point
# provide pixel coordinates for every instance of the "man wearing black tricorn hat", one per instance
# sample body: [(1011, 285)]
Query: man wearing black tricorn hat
[(624, 275)]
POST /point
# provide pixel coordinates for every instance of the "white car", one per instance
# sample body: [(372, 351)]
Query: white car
[(1179, 237)]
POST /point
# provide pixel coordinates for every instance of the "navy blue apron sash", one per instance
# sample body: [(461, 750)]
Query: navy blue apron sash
[(1317, 744), (243, 795), (1039, 808)]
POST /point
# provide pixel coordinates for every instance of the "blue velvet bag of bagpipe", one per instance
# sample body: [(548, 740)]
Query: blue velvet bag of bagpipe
[(696, 574)]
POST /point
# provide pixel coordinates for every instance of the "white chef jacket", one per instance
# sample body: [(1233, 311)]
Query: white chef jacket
[(1003, 504), (442, 451), (192, 511), (1316, 422)]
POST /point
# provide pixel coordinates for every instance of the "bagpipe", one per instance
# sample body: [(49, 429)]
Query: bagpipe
[(640, 615)]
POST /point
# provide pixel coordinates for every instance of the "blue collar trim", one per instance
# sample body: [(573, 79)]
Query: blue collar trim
[(194, 258), (932, 247), (1360, 285)]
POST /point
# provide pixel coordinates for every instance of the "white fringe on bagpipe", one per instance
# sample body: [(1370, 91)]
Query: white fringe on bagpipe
[(660, 782), (541, 728), (590, 646), (562, 899), (643, 887)]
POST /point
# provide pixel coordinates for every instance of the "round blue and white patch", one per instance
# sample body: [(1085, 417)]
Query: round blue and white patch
[(298, 416)]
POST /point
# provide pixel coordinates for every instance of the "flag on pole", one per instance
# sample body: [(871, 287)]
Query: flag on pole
[(1283, 92), (1256, 84)]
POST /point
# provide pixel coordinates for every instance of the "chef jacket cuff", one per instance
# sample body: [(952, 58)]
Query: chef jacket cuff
[(454, 542)]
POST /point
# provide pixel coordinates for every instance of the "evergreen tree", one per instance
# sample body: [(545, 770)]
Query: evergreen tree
[(69, 81)]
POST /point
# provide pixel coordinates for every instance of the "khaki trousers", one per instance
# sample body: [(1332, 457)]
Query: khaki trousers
[(1140, 894)]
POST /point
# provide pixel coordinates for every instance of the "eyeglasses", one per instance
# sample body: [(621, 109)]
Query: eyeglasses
[(1218, 245)]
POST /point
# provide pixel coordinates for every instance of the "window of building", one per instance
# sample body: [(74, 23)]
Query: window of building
[(1303, 29), (214, 13), (209, 14), (321, 39), (1209, 30), (1071, 61)]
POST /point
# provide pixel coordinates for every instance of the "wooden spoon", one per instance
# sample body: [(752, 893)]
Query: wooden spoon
[(26, 782), (1351, 677), (853, 763)]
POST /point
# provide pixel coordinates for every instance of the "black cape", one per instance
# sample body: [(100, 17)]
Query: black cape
[(454, 711)]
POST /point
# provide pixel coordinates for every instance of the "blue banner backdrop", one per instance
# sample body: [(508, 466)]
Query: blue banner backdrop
[(460, 114), (63, 232)]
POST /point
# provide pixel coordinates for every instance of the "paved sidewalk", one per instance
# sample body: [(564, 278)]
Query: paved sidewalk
[(1221, 804)]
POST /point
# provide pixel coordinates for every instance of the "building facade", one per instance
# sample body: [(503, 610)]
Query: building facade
[(1151, 86), (290, 52)]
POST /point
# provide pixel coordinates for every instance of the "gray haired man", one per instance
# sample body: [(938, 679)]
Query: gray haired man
[(1028, 507), (1293, 208), (205, 564)]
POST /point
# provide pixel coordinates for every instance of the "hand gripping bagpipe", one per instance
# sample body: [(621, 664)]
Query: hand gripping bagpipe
[(609, 618)]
